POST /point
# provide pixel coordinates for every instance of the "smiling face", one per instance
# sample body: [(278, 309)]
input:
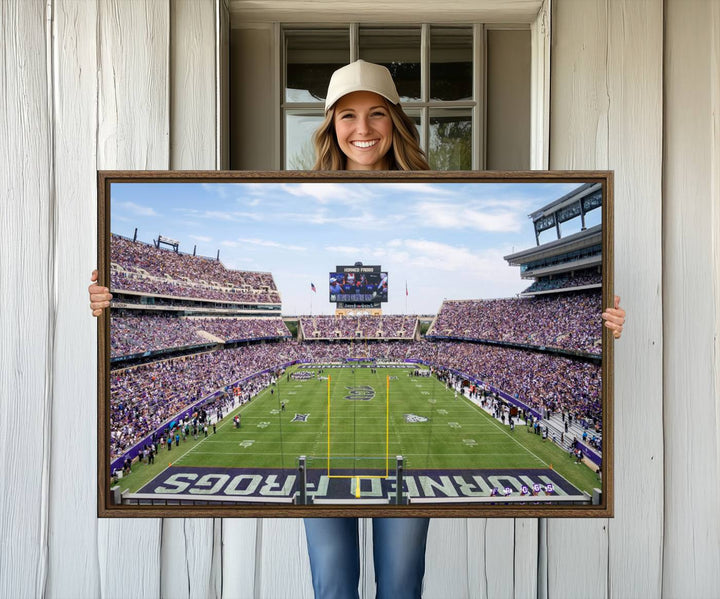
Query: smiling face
[(364, 130)]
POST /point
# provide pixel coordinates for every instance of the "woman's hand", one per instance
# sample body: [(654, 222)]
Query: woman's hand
[(615, 318), (99, 296)]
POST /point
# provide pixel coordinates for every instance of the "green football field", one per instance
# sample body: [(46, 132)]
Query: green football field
[(362, 418)]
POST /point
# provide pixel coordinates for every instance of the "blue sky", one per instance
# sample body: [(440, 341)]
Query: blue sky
[(445, 240)]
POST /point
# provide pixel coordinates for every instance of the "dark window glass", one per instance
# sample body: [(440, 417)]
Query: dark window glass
[(451, 64), (311, 57)]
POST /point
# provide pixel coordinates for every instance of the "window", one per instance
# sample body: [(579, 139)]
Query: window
[(436, 71), (466, 86)]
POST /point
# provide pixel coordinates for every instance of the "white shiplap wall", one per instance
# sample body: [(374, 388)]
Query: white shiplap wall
[(606, 112), (133, 133), (691, 199), (27, 314), (189, 565), (73, 540), (115, 84)]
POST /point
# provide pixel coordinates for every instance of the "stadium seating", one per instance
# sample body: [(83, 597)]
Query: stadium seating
[(566, 321), (140, 267), (138, 334), (588, 277), (359, 327)]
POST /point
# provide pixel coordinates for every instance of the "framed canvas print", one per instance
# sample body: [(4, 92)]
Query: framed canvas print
[(355, 344)]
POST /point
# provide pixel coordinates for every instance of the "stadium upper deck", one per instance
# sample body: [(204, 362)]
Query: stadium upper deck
[(140, 268), (567, 263)]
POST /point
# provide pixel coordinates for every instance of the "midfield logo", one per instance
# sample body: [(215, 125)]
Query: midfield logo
[(412, 418), (362, 392), (300, 418)]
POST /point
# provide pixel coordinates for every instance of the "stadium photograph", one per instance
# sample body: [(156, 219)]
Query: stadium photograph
[(355, 343)]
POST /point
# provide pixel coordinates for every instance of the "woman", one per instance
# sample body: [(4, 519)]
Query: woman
[(365, 129)]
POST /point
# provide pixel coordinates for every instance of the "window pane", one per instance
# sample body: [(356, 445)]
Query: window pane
[(450, 145), (311, 58), (415, 117), (299, 150), (451, 56), (399, 51)]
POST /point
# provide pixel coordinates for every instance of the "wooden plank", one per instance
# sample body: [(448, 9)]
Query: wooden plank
[(607, 113), (283, 566), (635, 91), (27, 318), (73, 569), (129, 557), (498, 564), (576, 551), (474, 558), (692, 396), (193, 85), (187, 544), (216, 569), (367, 561), (187, 558), (525, 558), (133, 131), (476, 563), (133, 127), (579, 100), (448, 558), (241, 537)]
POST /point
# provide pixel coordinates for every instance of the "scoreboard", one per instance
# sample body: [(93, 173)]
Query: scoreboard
[(358, 285)]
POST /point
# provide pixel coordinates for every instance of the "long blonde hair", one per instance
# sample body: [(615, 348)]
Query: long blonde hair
[(404, 155)]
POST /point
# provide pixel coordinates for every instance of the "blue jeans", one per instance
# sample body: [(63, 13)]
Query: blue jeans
[(398, 552)]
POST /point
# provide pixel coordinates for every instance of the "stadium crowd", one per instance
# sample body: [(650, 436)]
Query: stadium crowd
[(141, 267), (586, 277), (566, 321), (364, 327), (229, 329), (133, 334), (145, 397)]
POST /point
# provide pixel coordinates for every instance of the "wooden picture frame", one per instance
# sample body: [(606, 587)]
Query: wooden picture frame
[(153, 344)]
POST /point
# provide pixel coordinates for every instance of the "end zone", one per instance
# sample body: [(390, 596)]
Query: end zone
[(257, 485)]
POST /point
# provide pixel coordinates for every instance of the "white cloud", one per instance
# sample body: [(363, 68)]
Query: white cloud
[(364, 254), (328, 193), (263, 243), (435, 256), (136, 208), (470, 216), (342, 249), (228, 216), (428, 189), (201, 238)]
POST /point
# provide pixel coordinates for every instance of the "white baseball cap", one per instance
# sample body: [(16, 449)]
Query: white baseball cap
[(361, 76)]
